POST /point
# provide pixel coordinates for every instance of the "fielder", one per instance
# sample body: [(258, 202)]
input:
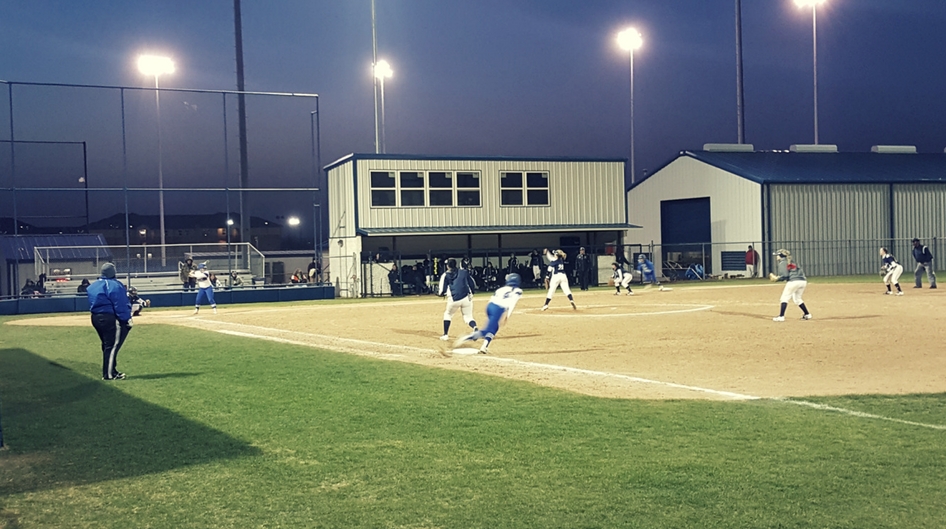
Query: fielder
[(458, 287), (205, 287), (498, 310), (796, 282), (557, 278), (648, 274), (891, 270), (621, 279)]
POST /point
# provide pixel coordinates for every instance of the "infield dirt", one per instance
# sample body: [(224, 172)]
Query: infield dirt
[(713, 341)]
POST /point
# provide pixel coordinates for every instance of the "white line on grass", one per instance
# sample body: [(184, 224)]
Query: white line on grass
[(863, 415), (550, 367)]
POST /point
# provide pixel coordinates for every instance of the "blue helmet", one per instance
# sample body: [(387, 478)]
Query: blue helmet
[(513, 280)]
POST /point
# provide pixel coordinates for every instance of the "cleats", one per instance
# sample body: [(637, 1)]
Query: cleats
[(215, 310), (617, 293), (483, 351), (574, 307), (806, 317), (196, 311), (778, 318), (118, 376), (444, 338), (888, 293), (545, 307), (629, 293), (900, 293)]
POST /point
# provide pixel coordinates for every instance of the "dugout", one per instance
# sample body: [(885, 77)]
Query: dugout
[(412, 206), (832, 209)]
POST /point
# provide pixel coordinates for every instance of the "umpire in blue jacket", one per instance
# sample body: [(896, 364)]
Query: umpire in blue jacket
[(111, 317)]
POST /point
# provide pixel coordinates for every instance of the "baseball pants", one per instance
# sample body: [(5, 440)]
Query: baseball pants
[(112, 333), (930, 276), (893, 276), (556, 281), (464, 305), (208, 294), (793, 291)]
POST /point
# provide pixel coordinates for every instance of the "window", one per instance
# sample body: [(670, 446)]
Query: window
[(524, 189), (383, 192), (441, 188), (468, 189), (412, 188)]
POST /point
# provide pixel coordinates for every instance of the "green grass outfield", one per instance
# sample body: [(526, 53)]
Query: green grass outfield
[(212, 430)]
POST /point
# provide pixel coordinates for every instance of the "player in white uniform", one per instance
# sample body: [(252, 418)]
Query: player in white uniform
[(891, 270), (457, 286), (557, 277), (204, 286), (498, 310), (621, 279)]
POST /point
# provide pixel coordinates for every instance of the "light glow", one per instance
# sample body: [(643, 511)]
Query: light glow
[(630, 39), (293, 221), (155, 65), (383, 70), (809, 3)]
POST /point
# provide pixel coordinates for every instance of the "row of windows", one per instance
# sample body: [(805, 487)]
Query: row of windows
[(448, 189)]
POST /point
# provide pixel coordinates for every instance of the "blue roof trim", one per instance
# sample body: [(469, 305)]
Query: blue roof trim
[(782, 167), (354, 157), (21, 248)]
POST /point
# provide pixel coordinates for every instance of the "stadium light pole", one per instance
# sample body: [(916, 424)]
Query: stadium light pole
[(382, 70), (158, 66), (813, 4), (229, 253), (630, 39)]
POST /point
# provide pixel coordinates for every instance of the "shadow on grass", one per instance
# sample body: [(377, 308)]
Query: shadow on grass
[(64, 429)]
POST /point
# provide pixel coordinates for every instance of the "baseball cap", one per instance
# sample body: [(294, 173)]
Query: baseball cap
[(916, 240)]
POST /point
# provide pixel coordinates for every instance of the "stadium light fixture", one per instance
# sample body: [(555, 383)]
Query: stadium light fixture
[(154, 65), (382, 71), (629, 40), (293, 221)]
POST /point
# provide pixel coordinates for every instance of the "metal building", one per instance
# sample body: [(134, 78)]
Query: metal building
[(411, 205), (832, 209)]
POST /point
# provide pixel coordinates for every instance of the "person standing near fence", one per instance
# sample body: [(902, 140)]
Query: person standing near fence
[(205, 287), (752, 262), (924, 261), (185, 268), (583, 267), (891, 271), (111, 318)]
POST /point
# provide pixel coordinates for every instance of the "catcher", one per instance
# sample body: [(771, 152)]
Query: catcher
[(796, 282), (136, 302)]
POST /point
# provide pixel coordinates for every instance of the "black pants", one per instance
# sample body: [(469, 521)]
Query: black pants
[(112, 333), (584, 277)]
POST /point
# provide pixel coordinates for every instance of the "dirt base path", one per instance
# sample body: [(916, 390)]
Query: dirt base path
[(704, 342)]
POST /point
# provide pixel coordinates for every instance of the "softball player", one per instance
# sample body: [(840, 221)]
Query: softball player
[(205, 287), (891, 270), (796, 282), (137, 303), (557, 277), (498, 310), (621, 279), (458, 287), (648, 274)]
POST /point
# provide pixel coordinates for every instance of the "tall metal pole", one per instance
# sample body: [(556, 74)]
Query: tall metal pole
[(85, 182), (383, 146), (226, 185), (633, 174), (15, 287), (157, 104), (245, 224), (740, 99), (318, 162), (814, 46), (315, 180), (374, 63)]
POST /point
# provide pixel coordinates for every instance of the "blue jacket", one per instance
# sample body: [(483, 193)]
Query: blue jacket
[(108, 296), (922, 254)]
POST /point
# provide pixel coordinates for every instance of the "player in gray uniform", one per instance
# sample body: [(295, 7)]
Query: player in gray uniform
[(795, 283), (458, 287)]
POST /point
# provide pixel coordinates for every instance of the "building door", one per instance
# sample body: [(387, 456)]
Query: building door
[(685, 234)]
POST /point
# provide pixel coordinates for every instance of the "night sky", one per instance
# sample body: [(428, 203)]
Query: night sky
[(488, 77)]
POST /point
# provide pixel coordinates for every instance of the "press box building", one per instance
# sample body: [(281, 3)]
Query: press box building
[(415, 204), (832, 209)]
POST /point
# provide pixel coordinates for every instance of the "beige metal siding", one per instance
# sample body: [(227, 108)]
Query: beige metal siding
[(735, 204), (919, 211), (579, 193), (830, 212), (341, 202)]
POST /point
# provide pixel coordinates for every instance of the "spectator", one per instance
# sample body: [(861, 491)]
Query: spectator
[(29, 289), (311, 272), (395, 280), (186, 268), (583, 268), (535, 262), (235, 280), (296, 276), (752, 262), (83, 287), (924, 261)]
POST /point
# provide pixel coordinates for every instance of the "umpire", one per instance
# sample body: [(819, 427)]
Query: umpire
[(583, 268), (111, 317), (924, 261)]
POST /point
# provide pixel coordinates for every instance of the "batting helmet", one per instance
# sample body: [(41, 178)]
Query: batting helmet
[(513, 280)]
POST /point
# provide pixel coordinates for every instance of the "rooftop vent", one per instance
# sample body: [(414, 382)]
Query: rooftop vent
[(813, 148), (728, 147), (894, 149)]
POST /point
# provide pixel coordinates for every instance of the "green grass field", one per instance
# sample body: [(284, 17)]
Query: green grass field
[(218, 431)]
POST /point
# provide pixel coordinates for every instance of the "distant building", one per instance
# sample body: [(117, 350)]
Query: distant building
[(832, 209), (187, 229)]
